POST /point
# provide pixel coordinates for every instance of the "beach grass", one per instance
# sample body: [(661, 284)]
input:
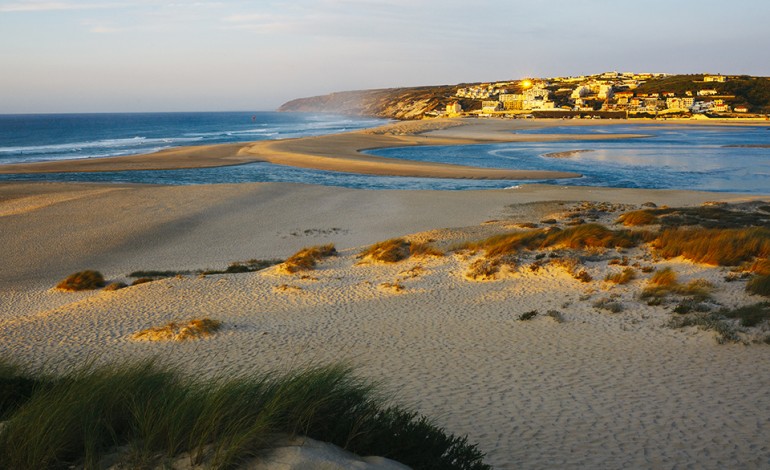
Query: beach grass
[(623, 277), (759, 285), (145, 415), (665, 282), (638, 218), (307, 258), (720, 247), (388, 251), (174, 331), (83, 280)]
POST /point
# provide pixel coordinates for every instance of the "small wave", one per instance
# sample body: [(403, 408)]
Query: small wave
[(97, 144)]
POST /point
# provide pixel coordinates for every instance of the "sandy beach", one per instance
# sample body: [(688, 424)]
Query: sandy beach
[(582, 389)]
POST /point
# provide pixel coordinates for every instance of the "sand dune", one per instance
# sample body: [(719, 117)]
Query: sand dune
[(599, 390)]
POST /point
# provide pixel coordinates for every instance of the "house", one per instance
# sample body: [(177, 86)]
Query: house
[(708, 92), (454, 108), (490, 106), (741, 109), (715, 78)]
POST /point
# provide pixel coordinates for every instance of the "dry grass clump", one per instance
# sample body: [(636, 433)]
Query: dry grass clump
[(579, 237), (573, 266), (424, 249), (637, 218), (307, 258), (512, 243), (484, 269), (664, 282), (759, 266), (593, 236), (83, 280), (623, 277), (722, 247), (143, 280), (759, 285), (194, 329), (113, 286), (388, 251)]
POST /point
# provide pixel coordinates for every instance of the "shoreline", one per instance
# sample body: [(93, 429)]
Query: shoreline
[(341, 152)]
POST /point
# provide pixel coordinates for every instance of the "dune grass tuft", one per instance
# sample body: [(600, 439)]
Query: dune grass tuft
[(113, 286), (726, 332), (424, 249), (307, 258), (721, 247), (749, 315), (83, 280), (759, 285), (194, 329), (388, 251), (580, 237), (623, 277), (637, 218), (664, 282), (150, 414)]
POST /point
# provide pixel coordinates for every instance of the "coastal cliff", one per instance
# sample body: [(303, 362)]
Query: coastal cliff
[(394, 103)]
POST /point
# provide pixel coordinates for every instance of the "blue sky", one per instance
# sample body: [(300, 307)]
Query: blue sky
[(149, 55)]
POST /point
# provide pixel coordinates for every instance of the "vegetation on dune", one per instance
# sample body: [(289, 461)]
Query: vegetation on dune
[(578, 237), (664, 282), (623, 277), (398, 249), (721, 247), (725, 331), (146, 415), (194, 329), (83, 280), (637, 218), (759, 285), (307, 258), (749, 315)]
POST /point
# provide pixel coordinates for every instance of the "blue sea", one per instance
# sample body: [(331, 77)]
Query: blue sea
[(734, 159)]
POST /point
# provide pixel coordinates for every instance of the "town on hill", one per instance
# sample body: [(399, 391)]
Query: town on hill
[(606, 95)]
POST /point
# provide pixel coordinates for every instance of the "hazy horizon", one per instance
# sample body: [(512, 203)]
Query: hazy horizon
[(81, 56)]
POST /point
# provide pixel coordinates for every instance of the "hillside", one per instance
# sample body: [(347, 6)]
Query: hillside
[(419, 102), (396, 103)]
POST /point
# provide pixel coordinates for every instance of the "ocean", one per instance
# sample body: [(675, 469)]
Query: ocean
[(720, 159)]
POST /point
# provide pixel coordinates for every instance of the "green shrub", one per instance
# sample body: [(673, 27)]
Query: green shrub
[(528, 315), (83, 280), (726, 333), (749, 315)]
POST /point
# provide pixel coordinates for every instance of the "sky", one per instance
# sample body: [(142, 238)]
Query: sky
[(237, 55)]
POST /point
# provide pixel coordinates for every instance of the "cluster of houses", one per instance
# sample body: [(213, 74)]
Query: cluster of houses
[(611, 91)]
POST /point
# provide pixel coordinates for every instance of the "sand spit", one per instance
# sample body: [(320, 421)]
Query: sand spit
[(586, 388), (338, 152)]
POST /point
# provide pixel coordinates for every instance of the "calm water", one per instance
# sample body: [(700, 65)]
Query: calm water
[(671, 158)]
